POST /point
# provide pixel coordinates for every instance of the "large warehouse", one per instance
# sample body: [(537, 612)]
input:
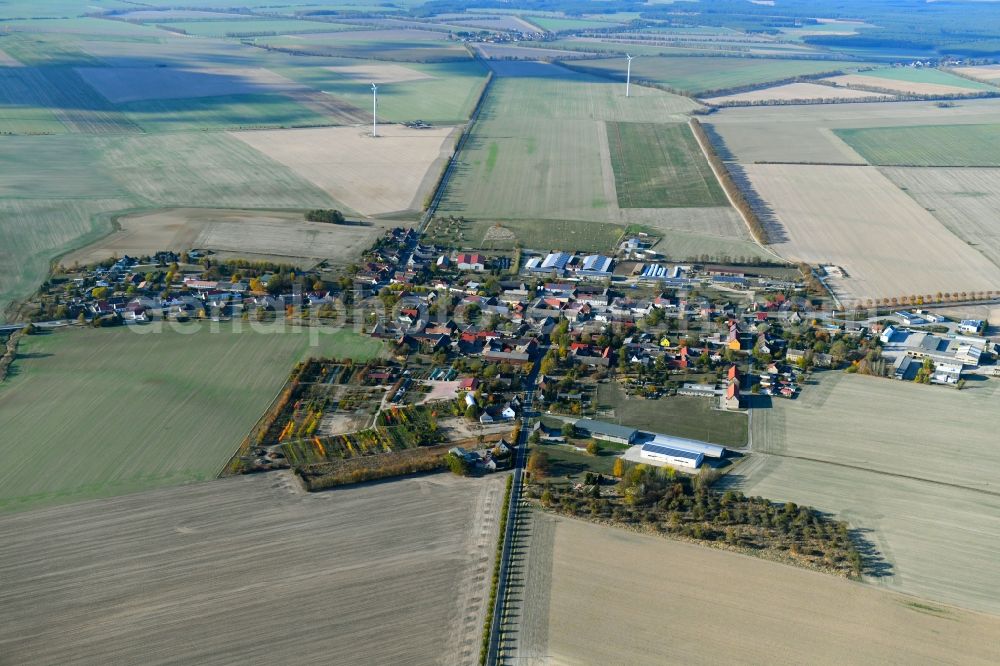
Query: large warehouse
[(610, 432), (709, 450), (670, 456)]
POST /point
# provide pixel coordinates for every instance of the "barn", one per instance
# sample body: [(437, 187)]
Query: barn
[(670, 456)]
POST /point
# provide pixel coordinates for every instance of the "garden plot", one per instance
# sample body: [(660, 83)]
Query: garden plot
[(967, 201), (773, 613), (391, 173), (251, 569), (133, 84), (854, 217), (859, 447), (796, 92)]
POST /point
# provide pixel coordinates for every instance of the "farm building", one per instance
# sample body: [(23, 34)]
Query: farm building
[(596, 265), (554, 262), (671, 456), (471, 262), (690, 445), (610, 432)]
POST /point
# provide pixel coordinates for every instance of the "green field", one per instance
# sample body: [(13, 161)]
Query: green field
[(390, 45), (927, 75), (555, 24), (53, 189), (927, 145), (446, 92), (680, 415), (538, 151), (224, 112), (96, 413), (659, 165), (701, 75), (252, 26)]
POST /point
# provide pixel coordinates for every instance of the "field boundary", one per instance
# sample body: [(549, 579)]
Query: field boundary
[(732, 190)]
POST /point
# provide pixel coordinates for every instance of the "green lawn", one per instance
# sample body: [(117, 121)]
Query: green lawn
[(565, 460), (681, 416), (701, 75), (94, 413), (927, 145), (659, 165)]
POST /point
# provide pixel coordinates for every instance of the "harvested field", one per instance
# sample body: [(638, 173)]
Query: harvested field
[(135, 84), (927, 145), (103, 412), (767, 608), (391, 173), (659, 165), (253, 26), (252, 568), (397, 45), (854, 217), (862, 81), (967, 201), (794, 92), (988, 73), (859, 447), (806, 133), (277, 235)]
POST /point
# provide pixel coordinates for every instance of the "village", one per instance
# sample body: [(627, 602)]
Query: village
[(577, 331)]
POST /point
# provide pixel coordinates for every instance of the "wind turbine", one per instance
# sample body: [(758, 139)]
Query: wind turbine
[(374, 109), (628, 74)]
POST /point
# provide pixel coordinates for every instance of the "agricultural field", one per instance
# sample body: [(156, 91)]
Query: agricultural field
[(927, 145), (967, 201), (774, 613), (558, 24), (809, 133), (394, 172), (251, 27), (443, 93), (660, 165), (859, 447), (279, 236), (704, 75), (237, 568), (796, 92), (141, 411), (518, 52), (403, 45), (912, 82), (680, 415), (987, 73), (855, 218), (137, 84), (540, 151)]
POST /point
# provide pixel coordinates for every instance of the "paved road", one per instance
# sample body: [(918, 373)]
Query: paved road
[(493, 654)]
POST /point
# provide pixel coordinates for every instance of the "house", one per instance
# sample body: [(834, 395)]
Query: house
[(468, 384), (609, 432), (731, 401), (471, 262)]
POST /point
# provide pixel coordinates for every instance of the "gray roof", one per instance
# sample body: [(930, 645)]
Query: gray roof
[(691, 445), (602, 428)]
